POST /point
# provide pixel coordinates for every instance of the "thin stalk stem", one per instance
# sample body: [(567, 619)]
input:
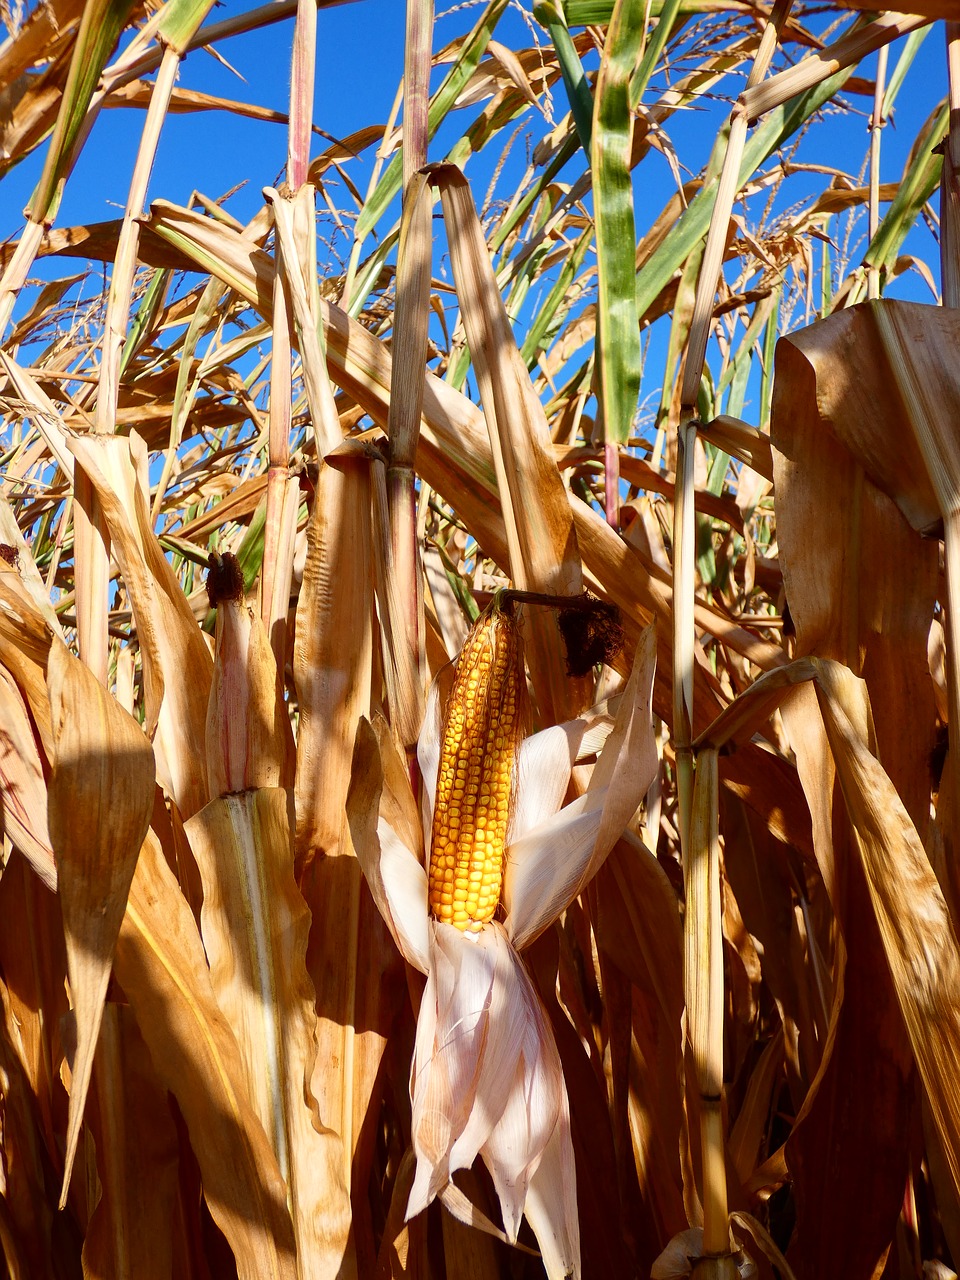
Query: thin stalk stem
[(697, 780), (125, 264), (414, 261), (277, 573), (302, 80), (949, 186), (350, 278), (703, 988), (877, 121), (684, 597)]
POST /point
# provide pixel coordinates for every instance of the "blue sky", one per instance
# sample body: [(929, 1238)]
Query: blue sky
[(360, 60)]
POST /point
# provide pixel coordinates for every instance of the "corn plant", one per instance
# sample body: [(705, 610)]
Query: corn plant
[(477, 670)]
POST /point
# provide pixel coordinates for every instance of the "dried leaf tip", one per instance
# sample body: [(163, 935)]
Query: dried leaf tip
[(224, 578)]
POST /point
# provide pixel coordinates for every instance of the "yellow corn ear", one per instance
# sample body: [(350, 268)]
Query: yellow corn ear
[(482, 729)]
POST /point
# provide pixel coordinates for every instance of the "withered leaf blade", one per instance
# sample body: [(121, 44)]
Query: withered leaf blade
[(22, 785), (255, 924), (163, 971), (131, 1231), (918, 936), (541, 537), (99, 804), (176, 664)]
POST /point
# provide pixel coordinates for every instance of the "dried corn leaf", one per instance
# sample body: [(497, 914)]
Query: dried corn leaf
[(162, 968), (295, 222), (131, 1231), (349, 956), (254, 925), (918, 938), (100, 800), (862, 593), (23, 788), (540, 532), (33, 962), (176, 663)]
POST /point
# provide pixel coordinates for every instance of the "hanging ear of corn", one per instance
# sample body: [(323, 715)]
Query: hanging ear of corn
[(482, 728)]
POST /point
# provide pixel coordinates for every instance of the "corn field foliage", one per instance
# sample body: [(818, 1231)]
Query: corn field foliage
[(628, 946)]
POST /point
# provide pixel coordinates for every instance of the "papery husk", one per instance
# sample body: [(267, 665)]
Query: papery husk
[(249, 738), (161, 965), (539, 885), (99, 805), (254, 925)]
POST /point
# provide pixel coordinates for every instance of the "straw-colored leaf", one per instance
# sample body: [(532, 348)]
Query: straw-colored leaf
[(294, 219), (333, 681), (22, 784), (161, 965), (99, 804), (918, 935), (254, 925), (176, 662), (131, 1230)]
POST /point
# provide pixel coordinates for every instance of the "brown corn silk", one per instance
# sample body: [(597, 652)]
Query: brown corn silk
[(481, 732)]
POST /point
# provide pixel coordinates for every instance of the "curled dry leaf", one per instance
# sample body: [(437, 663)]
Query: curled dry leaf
[(100, 801)]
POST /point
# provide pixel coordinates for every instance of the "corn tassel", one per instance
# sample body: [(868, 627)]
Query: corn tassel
[(482, 729)]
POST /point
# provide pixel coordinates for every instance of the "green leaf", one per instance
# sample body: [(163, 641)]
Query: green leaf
[(441, 103), (100, 28), (180, 21), (618, 332), (781, 123), (571, 69), (920, 179)]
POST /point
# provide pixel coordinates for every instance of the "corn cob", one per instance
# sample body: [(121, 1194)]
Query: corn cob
[(482, 728)]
